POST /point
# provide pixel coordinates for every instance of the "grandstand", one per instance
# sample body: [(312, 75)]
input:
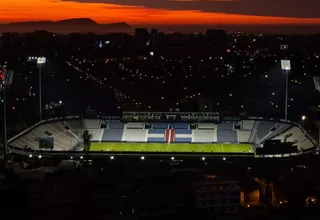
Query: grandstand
[(112, 135)]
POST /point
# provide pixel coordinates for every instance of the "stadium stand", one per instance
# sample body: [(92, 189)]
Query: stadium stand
[(135, 135), (268, 130), (155, 139), (261, 130), (114, 124), (96, 134), (156, 131), (209, 126), (182, 132), (64, 139), (75, 124), (243, 136), (112, 135), (204, 136), (182, 135), (295, 135), (159, 125), (92, 123), (156, 135), (226, 133), (183, 140), (181, 126), (134, 125)]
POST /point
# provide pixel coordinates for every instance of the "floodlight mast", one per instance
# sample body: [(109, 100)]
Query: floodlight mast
[(40, 63), (7, 80), (286, 69), (286, 98), (5, 119)]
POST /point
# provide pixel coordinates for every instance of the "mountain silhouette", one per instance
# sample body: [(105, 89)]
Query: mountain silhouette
[(66, 26)]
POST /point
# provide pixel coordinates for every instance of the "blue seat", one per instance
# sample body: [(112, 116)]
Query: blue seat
[(156, 131)]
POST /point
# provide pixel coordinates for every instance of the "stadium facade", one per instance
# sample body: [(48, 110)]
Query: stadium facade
[(164, 133)]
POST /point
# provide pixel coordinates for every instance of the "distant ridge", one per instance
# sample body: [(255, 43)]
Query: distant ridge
[(66, 26)]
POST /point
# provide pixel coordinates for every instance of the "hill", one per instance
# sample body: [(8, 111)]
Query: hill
[(66, 26)]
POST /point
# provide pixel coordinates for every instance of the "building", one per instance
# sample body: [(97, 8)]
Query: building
[(142, 36), (217, 195), (154, 32), (217, 37)]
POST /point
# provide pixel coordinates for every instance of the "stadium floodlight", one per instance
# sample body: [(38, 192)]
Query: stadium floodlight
[(30, 155), (142, 158), (286, 69), (286, 65), (112, 157), (172, 158), (224, 158), (203, 158), (41, 61), (81, 157), (39, 156), (71, 157)]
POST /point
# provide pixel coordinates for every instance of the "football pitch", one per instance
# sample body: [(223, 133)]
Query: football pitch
[(167, 148)]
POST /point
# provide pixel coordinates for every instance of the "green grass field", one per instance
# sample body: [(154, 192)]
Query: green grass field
[(166, 148)]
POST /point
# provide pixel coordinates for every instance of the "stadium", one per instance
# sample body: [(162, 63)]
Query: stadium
[(163, 134)]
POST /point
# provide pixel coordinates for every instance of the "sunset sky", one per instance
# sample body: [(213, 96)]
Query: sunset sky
[(165, 11)]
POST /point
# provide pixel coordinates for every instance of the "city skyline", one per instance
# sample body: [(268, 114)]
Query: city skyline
[(170, 12)]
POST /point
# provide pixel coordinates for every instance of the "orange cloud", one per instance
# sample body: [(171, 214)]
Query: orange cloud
[(31, 10)]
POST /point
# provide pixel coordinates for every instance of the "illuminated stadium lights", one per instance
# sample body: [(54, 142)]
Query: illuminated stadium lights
[(81, 157), (142, 158), (30, 155), (286, 69), (39, 156), (224, 158), (112, 157), (303, 117), (71, 157), (172, 158), (203, 158)]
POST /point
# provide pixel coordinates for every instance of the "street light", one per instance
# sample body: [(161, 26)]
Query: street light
[(303, 117)]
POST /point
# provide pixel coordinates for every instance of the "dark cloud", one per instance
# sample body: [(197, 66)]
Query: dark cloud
[(279, 8)]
